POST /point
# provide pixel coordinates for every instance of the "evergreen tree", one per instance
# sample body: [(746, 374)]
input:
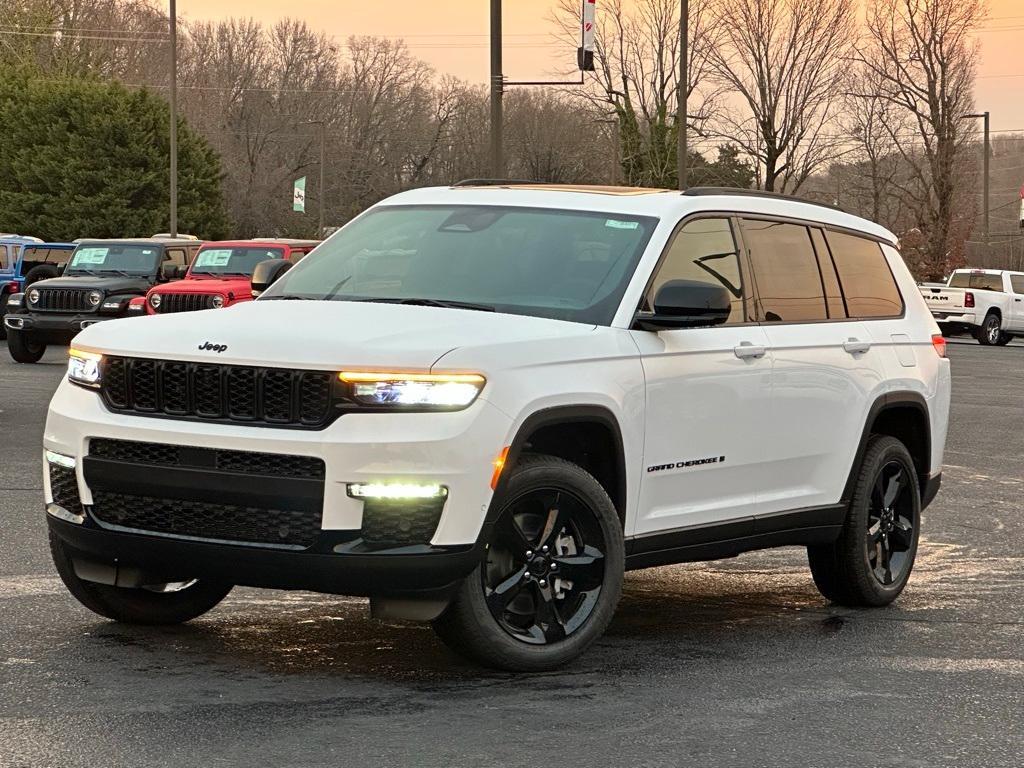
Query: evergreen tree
[(84, 158)]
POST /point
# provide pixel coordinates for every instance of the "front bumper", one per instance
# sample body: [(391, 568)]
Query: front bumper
[(452, 449), (56, 327), (334, 565)]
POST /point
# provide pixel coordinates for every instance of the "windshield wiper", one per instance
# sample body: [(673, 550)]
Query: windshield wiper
[(290, 298), (447, 304), (120, 272)]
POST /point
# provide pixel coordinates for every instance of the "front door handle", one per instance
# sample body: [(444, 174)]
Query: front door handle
[(856, 346), (747, 351)]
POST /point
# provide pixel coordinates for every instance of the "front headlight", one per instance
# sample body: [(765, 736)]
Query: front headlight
[(412, 390), (84, 367), (33, 296), (95, 297), (154, 300), (217, 301)]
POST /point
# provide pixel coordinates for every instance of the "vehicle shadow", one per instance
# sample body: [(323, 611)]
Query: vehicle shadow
[(668, 616)]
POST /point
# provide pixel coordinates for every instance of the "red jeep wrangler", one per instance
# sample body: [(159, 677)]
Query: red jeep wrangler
[(219, 275)]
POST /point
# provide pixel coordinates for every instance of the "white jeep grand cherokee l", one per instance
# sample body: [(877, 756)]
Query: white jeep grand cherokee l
[(480, 405)]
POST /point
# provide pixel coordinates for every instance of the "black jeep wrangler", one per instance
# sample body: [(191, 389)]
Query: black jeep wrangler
[(98, 282)]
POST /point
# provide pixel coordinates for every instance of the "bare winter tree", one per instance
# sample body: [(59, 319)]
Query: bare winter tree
[(784, 60), (875, 173), (924, 58), (637, 69)]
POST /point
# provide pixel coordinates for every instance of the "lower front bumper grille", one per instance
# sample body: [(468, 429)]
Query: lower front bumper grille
[(64, 489), (207, 521)]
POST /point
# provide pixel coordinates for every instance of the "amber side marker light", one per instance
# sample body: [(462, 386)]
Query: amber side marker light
[(939, 344), (499, 464)]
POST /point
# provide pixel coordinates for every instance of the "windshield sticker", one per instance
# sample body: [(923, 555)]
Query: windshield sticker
[(90, 256), (215, 257), (616, 224)]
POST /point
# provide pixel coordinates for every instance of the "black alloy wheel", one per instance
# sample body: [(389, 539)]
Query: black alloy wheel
[(545, 566), (550, 575), (890, 524)]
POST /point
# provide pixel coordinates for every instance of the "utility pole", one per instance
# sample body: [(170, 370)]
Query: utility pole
[(497, 87), (681, 92), (320, 185), (174, 119), (988, 153)]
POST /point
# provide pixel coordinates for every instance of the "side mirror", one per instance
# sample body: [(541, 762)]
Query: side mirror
[(687, 304), (267, 273)]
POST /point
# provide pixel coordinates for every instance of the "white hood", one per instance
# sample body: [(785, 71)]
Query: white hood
[(318, 334)]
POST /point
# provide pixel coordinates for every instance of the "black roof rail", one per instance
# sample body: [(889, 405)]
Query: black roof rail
[(495, 182), (706, 191)]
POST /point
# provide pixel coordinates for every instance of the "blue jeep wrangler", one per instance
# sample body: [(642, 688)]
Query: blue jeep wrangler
[(26, 260)]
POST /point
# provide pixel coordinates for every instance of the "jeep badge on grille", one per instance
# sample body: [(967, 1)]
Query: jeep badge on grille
[(207, 346)]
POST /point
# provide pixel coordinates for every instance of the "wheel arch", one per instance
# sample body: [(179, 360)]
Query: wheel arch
[(588, 435), (905, 416)]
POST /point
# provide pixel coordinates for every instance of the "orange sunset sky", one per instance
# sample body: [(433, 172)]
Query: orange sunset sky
[(452, 36)]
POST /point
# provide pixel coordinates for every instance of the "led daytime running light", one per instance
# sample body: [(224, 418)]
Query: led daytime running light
[(397, 491)]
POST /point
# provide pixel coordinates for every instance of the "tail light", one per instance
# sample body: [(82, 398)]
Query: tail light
[(968, 299), (939, 345)]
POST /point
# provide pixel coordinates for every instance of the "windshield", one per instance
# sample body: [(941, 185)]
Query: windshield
[(232, 261), (116, 259), (56, 256), (566, 265)]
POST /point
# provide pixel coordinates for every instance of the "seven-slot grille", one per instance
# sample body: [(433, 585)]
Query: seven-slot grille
[(63, 300), (275, 396), (184, 302)]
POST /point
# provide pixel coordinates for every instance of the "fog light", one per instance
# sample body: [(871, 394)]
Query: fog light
[(397, 491)]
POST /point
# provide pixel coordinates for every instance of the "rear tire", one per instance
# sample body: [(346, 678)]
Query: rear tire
[(147, 606), (990, 331), (551, 576), (871, 561), (3, 311), (22, 348)]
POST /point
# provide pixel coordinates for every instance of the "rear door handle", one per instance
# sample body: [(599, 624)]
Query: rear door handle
[(856, 346), (746, 350)]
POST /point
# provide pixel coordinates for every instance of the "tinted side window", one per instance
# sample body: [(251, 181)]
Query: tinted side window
[(984, 282), (704, 250), (1017, 283), (176, 256), (789, 286), (868, 284), (4, 264)]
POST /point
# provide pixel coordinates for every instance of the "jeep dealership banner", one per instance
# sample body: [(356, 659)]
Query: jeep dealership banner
[(299, 195)]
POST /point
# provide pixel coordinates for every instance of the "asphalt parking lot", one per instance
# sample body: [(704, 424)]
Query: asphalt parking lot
[(737, 663)]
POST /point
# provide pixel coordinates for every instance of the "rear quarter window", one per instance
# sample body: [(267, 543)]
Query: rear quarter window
[(1017, 283), (867, 282)]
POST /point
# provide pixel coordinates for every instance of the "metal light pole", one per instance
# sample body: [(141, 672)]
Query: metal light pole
[(174, 119), (681, 92), (497, 87), (988, 153)]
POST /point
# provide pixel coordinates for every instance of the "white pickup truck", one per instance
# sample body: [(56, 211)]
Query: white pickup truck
[(987, 303)]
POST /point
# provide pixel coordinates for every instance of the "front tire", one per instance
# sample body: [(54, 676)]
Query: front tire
[(160, 604), (22, 348), (551, 577), (870, 563), (990, 331)]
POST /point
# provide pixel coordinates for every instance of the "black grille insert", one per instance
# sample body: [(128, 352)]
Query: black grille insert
[(64, 488), (63, 300), (184, 302), (280, 397), (245, 462), (203, 520)]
